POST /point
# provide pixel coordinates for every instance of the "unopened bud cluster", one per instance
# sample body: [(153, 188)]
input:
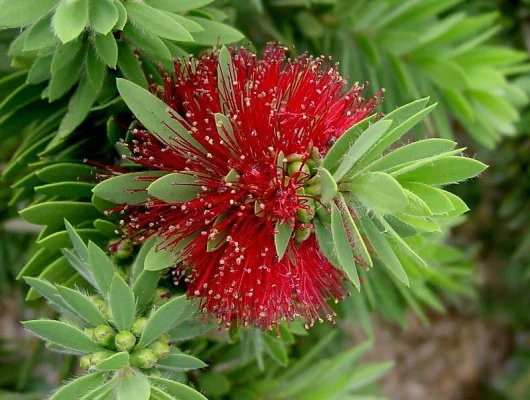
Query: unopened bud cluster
[(113, 341)]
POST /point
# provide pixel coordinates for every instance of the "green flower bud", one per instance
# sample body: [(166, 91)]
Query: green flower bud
[(161, 296), (294, 157), (121, 249), (306, 215), (145, 358), (85, 362), (104, 335), (124, 341), (160, 348), (139, 326), (296, 167), (166, 338), (99, 356), (301, 234)]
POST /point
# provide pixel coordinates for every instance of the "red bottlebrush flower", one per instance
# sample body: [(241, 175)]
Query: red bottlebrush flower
[(259, 128)]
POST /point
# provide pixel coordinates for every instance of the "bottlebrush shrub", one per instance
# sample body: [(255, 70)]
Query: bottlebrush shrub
[(120, 332), (266, 186)]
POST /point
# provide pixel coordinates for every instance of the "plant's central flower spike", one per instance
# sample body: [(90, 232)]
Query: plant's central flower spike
[(236, 209)]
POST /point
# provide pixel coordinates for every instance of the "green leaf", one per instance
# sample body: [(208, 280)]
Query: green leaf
[(434, 198), (459, 206), (411, 254), (65, 78), (103, 15), (419, 223), (40, 35), (107, 48), (383, 250), (130, 66), (398, 129), (175, 188), (361, 146), (61, 172), (82, 305), (62, 334), (365, 374), (328, 186), (325, 242), (64, 54), (180, 362), (79, 386), (282, 236), (72, 190), (179, 390), (128, 188), (15, 13), (95, 69), (343, 246), (162, 320), (215, 33), (445, 73), (178, 6), (154, 114), (444, 171), (156, 22), (51, 212), (40, 70), (158, 259), (146, 42), (70, 19), (78, 107), (411, 152), (379, 192), (494, 104), (344, 142), (122, 15), (188, 24), (144, 288), (122, 304), (113, 363), (134, 387), (357, 242), (101, 266), (215, 384), (276, 350)]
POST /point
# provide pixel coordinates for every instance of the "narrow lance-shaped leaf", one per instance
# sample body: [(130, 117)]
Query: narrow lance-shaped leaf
[(383, 250), (113, 363), (101, 266), (361, 146), (62, 334), (343, 246), (134, 387), (162, 320), (175, 188), (379, 192), (82, 305), (282, 236), (70, 19), (328, 186), (122, 304), (79, 387), (359, 248)]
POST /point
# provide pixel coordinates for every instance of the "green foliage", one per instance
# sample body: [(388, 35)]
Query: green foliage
[(115, 362)]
